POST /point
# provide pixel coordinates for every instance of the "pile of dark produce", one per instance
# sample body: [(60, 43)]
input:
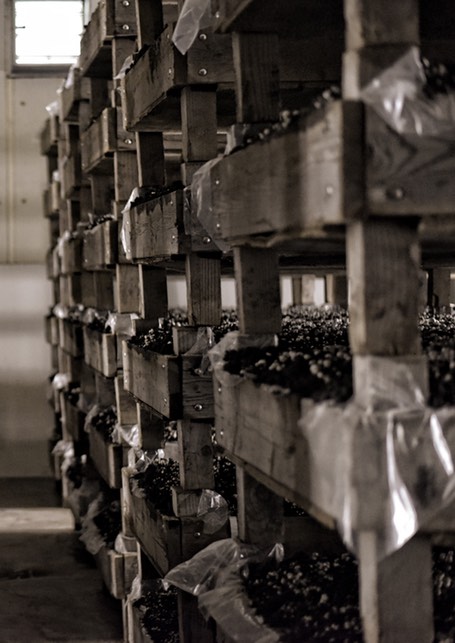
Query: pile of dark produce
[(72, 394), (98, 220), (108, 519), (314, 597), (159, 339), (313, 358), (104, 422), (159, 614), (309, 597), (161, 475), (99, 323)]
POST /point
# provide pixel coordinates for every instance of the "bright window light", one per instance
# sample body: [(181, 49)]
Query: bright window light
[(48, 32)]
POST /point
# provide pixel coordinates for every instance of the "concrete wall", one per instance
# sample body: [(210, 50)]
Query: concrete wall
[(26, 419)]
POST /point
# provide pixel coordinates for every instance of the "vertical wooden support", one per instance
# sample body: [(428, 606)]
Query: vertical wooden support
[(297, 291), (396, 593), (102, 187), (256, 63), (193, 628), (258, 290), (150, 158), (153, 302), (195, 455), (121, 49), (149, 21), (336, 290), (203, 280), (199, 123), (125, 174), (439, 294), (303, 290), (151, 427), (384, 275), (259, 513)]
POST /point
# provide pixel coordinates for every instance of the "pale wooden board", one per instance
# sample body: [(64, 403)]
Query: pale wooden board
[(107, 458)]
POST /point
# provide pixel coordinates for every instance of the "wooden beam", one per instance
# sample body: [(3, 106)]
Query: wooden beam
[(150, 158), (203, 280), (259, 513), (195, 455), (199, 123)]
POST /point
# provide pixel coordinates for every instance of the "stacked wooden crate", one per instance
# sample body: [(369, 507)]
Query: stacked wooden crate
[(337, 190)]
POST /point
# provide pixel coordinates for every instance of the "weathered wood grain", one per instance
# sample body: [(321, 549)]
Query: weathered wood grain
[(100, 351)]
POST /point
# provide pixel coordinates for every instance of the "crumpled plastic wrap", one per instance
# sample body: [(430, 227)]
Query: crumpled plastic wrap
[(194, 16), (90, 534), (121, 323), (232, 341), (397, 97), (388, 469), (214, 575), (91, 413), (129, 435), (60, 381), (202, 204), (53, 109), (213, 510), (63, 448)]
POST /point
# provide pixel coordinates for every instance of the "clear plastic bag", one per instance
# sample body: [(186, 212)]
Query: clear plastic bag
[(397, 96), (90, 534), (214, 576), (53, 108), (388, 468), (194, 16), (213, 510)]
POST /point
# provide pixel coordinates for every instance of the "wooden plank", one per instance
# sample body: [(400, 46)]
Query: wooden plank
[(71, 259), (199, 124), (73, 421), (153, 301), (100, 246), (88, 298), (439, 288), (370, 23), (154, 379), (125, 174), (96, 54), (125, 403), (259, 513), (193, 627), (70, 337), (150, 158), (104, 290), (384, 584), (151, 427), (149, 19), (258, 289), (100, 350), (154, 230), (102, 191), (107, 458), (195, 455), (203, 281), (257, 77), (384, 274), (197, 390), (336, 290)]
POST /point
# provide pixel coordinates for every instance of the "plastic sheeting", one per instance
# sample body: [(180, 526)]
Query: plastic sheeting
[(214, 575), (389, 468), (397, 96), (194, 16)]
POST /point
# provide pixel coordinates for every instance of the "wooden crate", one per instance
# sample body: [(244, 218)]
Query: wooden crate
[(100, 246), (104, 290), (52, 329), (160, 73), (167, 540), (111, 19), (167, 383), (71, 179), (74, 90), (71, 255), (49, 136), (100, 351), (104, 137), (110, 564), (71, 337), (107, 458), (154, 230), (73, 420), (135, 633), (69, 365)]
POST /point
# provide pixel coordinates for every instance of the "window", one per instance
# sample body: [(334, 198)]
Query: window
[(47, 34)]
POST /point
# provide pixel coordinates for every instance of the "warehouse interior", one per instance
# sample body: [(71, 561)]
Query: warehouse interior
[(227, 286)]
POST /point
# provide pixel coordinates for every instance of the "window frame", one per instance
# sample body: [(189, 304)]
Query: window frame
[(27, 71)]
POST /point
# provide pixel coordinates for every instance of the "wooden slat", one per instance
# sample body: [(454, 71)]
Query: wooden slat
[(257, 77), (199, 124), (195, 455), (100, 350), (203, 279), (149, 19), (107, 458), (150, 158), (259, 513), (383, 270), (125, 173), (258, 290)]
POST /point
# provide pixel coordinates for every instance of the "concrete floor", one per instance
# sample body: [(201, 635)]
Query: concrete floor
[(50, 589)]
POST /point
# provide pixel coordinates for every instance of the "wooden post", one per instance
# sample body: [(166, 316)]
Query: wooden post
[(439, 294), (195, 455), (199, 123), (259, 512), (336, 290), (258, 290), (383, 259), (150, 158), (149, 21), (203, 280)]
